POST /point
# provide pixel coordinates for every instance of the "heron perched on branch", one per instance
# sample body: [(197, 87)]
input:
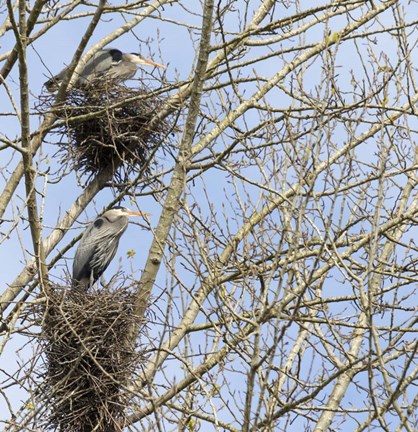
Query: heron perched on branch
[(108, 63), (98, 246)]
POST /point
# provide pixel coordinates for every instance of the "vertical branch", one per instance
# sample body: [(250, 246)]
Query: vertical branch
[(176, 187), (20, 31)]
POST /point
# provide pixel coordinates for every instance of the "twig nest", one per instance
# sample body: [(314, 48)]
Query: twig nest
[(107, 126), (89, 359)]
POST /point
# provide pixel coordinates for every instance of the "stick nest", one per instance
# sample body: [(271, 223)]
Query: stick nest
[(108, 127), (89, 360)]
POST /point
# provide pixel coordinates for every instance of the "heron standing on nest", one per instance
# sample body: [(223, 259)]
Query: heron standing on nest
[(98, 246), (108, 63)]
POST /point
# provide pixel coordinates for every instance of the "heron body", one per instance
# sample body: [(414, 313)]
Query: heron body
[(98, 246), (108, 63)]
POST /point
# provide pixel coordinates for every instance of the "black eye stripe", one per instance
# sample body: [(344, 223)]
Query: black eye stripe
[(116, 55)]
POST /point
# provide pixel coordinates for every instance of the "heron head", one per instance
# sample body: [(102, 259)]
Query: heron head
[(118, 211), (140, 60)]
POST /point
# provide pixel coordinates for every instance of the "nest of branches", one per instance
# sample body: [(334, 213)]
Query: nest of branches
[(107, 126), (89, 359)]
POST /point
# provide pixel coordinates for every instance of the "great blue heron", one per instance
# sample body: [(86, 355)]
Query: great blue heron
[(110, 63), (98, 246)]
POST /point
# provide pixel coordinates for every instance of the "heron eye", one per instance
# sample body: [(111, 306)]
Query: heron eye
[(98, 223)]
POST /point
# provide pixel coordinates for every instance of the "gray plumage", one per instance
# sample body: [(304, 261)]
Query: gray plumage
[(98, 246), (109, 63)]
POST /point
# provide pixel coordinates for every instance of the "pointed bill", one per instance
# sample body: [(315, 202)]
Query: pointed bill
[(135, 213), (138, 59)]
